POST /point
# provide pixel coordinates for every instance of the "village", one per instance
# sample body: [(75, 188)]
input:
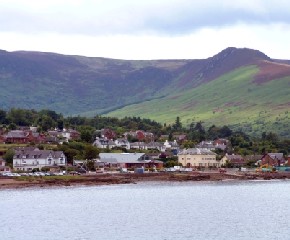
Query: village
[(120, 155)]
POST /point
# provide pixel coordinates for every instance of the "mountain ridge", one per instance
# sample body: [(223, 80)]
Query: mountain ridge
[(78, 85)]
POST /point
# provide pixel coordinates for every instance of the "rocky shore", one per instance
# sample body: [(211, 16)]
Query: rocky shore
[(131, 178)]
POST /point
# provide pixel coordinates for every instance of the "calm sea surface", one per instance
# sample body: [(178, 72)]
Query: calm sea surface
[(191, 210)]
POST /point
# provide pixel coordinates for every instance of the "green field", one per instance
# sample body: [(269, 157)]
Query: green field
[(232, 99)]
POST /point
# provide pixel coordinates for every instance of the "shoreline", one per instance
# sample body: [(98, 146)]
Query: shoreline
[(133, 178)]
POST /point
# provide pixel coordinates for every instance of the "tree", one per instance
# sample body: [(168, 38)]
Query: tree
[(8, 156), (91, 152), (170, 136), (87, 133), (2, 116), (177, 125), (21, 117), (46, 122), (197, 132), (86, 136), (213, 132), (90, 164), (225, 132)]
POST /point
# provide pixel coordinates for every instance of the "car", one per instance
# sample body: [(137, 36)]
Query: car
[(74, 173), (16, 175), (81, 170), (7, 174)]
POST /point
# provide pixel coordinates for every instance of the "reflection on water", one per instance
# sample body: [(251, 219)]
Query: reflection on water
[(155, 210)]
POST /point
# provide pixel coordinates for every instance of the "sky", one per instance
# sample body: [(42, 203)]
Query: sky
[(145, 29)]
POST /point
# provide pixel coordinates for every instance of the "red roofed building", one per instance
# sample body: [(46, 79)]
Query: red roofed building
[(23, 136), (273, 159)]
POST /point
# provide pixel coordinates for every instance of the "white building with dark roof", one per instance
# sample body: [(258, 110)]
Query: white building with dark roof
[(104, 143), (27, 159), (122, 142)]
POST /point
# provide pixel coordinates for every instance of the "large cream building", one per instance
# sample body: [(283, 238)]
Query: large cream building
[(198, 157)]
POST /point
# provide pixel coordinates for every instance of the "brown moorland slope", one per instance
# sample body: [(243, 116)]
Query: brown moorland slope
[(270, 70)]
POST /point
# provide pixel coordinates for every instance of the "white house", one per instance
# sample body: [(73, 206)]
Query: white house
[(122, 142), (104, 143), (27, 160), (171, 145)]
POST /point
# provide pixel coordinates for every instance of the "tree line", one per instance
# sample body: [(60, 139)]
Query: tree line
[(240, 142)]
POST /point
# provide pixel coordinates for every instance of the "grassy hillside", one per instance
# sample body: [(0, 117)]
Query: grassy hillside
[(79, 85), (239, 87), (232, 99)]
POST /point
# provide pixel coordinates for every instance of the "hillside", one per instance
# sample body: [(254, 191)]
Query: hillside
[(242, 88), (75, 84)]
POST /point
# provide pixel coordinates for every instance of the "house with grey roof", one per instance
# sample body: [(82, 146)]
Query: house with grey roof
[(156, 145), (123, 143), (212, 145), (171, 145), (138, 145), (129, 160), (27, 159), (104, 143)]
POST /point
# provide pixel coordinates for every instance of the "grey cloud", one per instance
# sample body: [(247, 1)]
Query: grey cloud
[(175, 17)]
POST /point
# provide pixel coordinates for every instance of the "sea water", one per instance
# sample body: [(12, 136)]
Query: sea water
[(150, 210)]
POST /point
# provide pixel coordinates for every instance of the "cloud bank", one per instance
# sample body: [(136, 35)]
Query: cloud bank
[(171, 17), (145, 29)]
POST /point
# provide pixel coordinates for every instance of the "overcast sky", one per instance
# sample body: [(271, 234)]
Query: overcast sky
[(145, 29)]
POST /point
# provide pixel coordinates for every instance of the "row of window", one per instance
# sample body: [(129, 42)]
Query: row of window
[(199, 159), (37, 162), (203, 165)]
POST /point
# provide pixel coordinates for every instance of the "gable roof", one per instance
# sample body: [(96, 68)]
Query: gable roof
[(278, 156), (253, 157), (17, 134), (38, 154), (197, 151), (234, 157)]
